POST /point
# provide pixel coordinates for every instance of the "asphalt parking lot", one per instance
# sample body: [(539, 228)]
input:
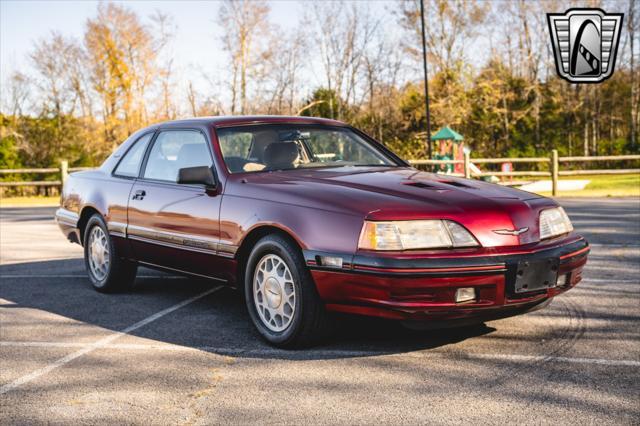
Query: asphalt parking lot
[(182, 351)]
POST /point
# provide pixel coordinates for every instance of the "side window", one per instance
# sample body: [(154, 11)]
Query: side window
[(129, 166), (174, 150)]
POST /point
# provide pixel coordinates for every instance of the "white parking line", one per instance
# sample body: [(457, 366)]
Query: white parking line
[(539, 358), (171, 277), (620, 270), (335, 353), (38, 259), (610, 281), (621, 245), (102, 342)]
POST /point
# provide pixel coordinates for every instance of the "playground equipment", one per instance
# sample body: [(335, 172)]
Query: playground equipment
[(449, 146)]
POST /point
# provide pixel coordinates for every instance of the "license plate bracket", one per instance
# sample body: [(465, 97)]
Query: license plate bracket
[(536, 275)]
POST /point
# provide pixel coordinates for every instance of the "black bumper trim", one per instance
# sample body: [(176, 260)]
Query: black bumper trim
[(383, 266), (391, 263)]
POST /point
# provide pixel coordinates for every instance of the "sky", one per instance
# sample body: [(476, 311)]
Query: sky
[(196, 48)]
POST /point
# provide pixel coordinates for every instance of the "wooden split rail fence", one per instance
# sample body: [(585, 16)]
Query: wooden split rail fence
[(553, 172), (553, 162)]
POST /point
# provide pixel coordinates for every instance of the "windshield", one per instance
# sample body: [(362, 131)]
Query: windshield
[(286, 147)]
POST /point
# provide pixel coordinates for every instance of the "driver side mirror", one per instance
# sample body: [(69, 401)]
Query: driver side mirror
[(202, 175)]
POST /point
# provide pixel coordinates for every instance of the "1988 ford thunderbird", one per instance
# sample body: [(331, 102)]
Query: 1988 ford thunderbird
[(309, 216)]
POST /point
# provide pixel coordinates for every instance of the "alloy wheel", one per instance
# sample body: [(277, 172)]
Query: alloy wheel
[(98, 253), (274, 293)]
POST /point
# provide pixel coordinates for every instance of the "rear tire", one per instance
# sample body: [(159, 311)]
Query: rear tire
[(107, 271), (281, 296)]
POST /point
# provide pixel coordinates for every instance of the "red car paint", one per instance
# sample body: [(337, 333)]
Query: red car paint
[(209, 233)]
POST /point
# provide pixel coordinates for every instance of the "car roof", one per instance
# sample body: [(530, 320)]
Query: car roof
[(236, 120)]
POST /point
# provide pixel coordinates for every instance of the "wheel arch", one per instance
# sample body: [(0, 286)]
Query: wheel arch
[(85, 215), (250, 240)]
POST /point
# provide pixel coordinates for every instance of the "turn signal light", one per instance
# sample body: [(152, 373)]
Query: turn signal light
[(333, 262)]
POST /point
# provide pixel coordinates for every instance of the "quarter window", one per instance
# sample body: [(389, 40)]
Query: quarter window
[(129, 166), (174, 150)]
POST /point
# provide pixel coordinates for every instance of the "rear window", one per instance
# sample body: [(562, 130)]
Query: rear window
[(129, 166)]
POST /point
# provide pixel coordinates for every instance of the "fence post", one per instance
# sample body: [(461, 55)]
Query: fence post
[(467, 165), (554, 172), (64, 171)]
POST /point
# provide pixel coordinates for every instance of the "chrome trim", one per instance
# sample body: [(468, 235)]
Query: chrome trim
[(227, 250), (186, 241), (171, 245), (117, 234), (176, 240), (67, 217), (226, 255), (182, 271), (117, 228)]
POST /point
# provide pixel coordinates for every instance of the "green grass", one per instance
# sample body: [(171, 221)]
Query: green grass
[(605, 186)]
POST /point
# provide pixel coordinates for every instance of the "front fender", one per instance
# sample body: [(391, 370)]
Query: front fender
[(313, 229)]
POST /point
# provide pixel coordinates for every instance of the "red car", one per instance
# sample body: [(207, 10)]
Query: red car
[(309, 216)]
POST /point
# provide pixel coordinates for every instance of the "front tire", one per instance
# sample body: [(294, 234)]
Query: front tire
[(281, 297), (107, 271)]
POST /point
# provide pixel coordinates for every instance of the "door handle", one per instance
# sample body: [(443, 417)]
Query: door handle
[(139, 194)]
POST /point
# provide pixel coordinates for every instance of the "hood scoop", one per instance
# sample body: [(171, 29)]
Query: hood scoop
[(438, 185), (424, 185), (457, 184), (419, 184)]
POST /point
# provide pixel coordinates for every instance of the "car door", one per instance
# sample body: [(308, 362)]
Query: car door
[(123, 178), (173, 225)]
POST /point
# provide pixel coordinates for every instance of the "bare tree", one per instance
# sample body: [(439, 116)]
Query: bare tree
[(191, 99), (632, 27), (18, 89), (450, 27), (55, 59), (164, 29), (342, 34), (284, 72), (57, 64), (78, 78), (246, 28), (168, 108), (382, 66), (532, 39)]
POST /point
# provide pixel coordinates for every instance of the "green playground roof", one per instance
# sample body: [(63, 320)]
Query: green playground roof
[(447, 133)]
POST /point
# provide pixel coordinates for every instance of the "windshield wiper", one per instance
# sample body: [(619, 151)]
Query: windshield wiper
[(374, 165)]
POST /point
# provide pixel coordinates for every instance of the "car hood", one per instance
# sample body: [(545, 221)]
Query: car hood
[(405, 194)]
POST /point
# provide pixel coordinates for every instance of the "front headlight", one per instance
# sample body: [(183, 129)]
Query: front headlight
[(414, 234), (554, 222)]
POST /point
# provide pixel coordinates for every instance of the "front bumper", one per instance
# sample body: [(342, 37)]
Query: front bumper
[(422, 286)]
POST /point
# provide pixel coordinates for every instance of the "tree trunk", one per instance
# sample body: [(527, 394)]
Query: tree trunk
[(586, 124), (243, 75), (634, 81), (506, 121)]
